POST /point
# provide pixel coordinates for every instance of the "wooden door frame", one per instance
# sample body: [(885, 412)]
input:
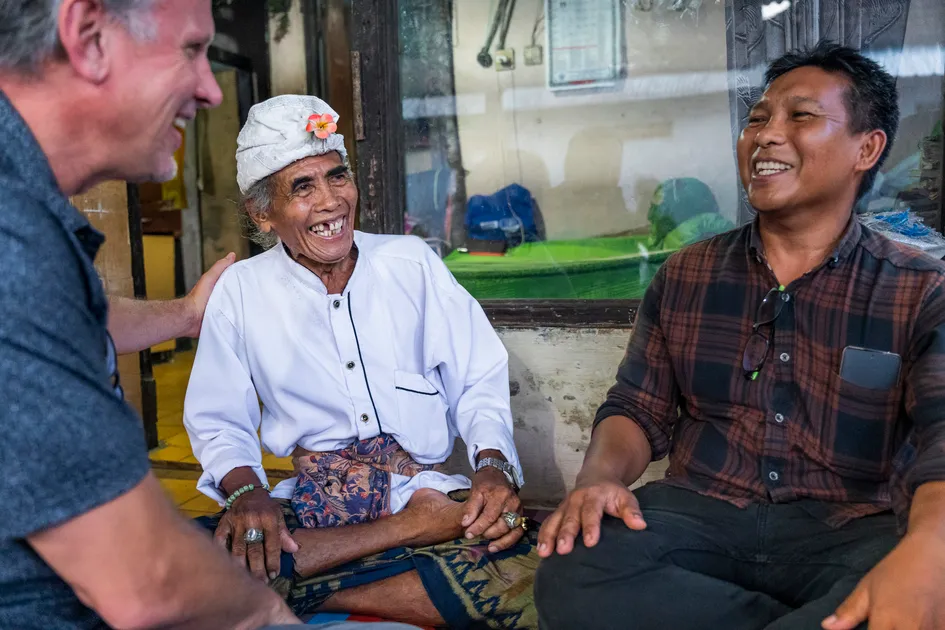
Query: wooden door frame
[(375, 47)]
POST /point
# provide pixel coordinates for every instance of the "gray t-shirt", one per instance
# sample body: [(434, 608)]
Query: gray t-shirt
[(68, 444)]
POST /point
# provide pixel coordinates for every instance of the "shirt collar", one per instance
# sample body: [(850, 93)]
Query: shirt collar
[(312, 281), (23, 160), (846, 245)]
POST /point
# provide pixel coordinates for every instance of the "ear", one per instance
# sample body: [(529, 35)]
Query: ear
[(83, 30), (874, 142), (259, 218)]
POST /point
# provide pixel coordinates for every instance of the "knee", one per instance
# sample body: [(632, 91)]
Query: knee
[(561, 588), (571, 589), (555, 580)]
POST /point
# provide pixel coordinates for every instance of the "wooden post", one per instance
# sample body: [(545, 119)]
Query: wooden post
[(106, 206)]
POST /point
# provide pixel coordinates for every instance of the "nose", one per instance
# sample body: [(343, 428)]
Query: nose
[(327, 198), (209, 94), (772, 133)]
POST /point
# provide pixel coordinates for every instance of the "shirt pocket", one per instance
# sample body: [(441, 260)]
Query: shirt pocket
[(859, 444), (424, 431)]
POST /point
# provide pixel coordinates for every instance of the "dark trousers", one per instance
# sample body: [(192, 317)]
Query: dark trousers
[(704, 563)]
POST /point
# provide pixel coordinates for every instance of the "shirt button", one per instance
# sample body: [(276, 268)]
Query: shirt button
[(350, 365), (336, 303), (785, 357), (779, 418), (785, 297), (365, 418), (773, 476)]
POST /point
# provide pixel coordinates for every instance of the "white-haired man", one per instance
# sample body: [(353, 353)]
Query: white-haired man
[(93, 90), (369, 359)]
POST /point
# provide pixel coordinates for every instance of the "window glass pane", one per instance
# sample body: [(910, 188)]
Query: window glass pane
[(568, 153)]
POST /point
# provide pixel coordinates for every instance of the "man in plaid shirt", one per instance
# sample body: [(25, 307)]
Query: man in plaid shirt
[(794, 371)]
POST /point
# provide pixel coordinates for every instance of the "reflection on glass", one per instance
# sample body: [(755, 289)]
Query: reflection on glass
[(528, 189)]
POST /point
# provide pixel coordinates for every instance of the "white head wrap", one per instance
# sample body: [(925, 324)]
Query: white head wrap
[(275, 136)]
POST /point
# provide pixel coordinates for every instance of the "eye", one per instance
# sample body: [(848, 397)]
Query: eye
[(192, 51), (755, 119), (338, 178), (802, 115)]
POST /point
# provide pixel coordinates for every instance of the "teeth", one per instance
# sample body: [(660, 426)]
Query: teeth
[(180, 123), (770, 168), (328, 229)]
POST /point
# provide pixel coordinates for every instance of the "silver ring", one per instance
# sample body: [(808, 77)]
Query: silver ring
[(511, 519), (253, 535)]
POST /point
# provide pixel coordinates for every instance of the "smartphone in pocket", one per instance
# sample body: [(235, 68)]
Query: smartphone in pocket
[(870, 369)]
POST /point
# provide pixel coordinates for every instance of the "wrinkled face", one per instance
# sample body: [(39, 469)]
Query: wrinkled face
[(313, 209), (797, 150), (156, 84)]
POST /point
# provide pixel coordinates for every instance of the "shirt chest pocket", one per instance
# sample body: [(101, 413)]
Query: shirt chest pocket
[(860, 443), (421, 409)]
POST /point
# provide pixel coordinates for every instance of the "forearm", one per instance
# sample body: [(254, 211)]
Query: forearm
[(139, 324), (239, 478), (490, 453), (927, 514), (619, 449), (215, 596), (140, 565), (325, 548)]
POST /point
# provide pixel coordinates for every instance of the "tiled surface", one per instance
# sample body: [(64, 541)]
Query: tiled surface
[(174, 446)]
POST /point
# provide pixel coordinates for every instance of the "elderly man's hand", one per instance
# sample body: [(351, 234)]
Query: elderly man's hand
[(196, 300), (256, 510), (490, 498), (903, 592)]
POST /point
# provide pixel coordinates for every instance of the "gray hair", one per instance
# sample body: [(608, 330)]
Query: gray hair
[(29, 29), (257, 201)]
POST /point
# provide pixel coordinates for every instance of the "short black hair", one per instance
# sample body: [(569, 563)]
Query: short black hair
[(872, 100)]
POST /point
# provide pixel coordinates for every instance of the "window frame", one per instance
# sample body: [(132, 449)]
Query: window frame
[(380, 172)]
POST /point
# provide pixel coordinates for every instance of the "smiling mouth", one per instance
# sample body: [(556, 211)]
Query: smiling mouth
[(329, 229), (767, 168)]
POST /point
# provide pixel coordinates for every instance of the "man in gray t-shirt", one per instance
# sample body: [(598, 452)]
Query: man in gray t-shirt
[(91, 91)]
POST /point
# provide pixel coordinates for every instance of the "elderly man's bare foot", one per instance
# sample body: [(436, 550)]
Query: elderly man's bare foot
[(431, 518)]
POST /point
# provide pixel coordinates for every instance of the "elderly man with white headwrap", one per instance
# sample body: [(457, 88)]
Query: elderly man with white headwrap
[(368, 360)]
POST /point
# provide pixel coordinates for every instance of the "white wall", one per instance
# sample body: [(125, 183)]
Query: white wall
[(558, 378), (593, 160)]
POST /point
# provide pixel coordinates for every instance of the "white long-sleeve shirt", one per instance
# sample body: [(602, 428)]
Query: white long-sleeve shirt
[(404, 350)]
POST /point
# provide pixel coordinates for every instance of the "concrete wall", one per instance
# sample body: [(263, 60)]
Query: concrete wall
[(558, 378), (593, 159), (219, 194), (289, 70)]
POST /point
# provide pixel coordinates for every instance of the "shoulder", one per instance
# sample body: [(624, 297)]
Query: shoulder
[(900, 255), (247, 271), (22, 213), (408, 256), (709, 253), (37, 252), (393, 248)]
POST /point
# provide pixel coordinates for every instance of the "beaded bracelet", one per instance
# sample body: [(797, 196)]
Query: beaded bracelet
[(241, 491)]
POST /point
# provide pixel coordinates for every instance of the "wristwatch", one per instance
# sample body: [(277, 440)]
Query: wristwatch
[(507, 469)]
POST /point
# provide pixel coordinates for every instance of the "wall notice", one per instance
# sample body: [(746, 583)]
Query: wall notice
[(583, 38)]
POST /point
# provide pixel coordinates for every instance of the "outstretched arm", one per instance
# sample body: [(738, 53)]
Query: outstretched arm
[(139, 324)]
